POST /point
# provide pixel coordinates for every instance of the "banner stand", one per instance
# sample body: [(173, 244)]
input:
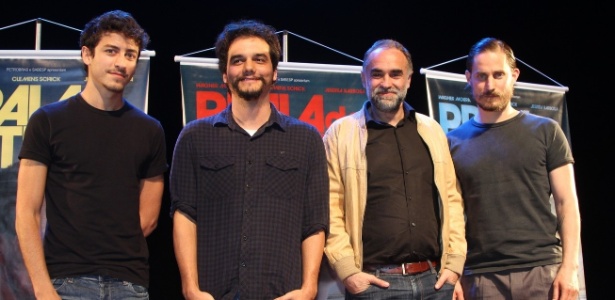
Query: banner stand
[(285, 34), (425, 70)]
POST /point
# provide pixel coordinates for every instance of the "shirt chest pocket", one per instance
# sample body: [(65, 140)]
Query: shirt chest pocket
[(283, 177), (217, 175)]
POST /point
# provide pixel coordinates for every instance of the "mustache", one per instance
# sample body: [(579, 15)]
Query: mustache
[(380, 90), (121, 71), (491, 94), (240, 78)]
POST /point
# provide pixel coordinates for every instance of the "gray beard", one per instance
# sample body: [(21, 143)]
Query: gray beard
[(387, 107)]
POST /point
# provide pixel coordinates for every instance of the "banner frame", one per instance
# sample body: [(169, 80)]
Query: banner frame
[(56, 54), (291, 66), (518, 84)]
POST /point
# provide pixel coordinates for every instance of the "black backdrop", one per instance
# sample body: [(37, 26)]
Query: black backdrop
[(567, 42)]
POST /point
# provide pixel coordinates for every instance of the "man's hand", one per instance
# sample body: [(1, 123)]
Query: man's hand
[(566, 284), (359, 282), (452, 278), (458, 294), (447, 276), (301, 294), (198, 295)]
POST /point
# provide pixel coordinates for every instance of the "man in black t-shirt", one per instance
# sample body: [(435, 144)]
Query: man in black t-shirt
[(97, 163)]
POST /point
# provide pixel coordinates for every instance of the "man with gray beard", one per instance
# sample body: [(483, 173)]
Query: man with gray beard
[(396, 217)]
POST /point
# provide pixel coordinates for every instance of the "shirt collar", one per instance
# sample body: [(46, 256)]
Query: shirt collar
[(225, 118)]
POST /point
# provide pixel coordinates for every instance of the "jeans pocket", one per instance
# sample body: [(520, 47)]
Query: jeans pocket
[(58, 283), (139, 291)]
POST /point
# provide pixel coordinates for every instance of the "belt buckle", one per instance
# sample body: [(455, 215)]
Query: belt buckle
[(403, 269)]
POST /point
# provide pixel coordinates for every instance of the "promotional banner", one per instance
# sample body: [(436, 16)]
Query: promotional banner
[(315, 93), (30, 79), (450, 103)]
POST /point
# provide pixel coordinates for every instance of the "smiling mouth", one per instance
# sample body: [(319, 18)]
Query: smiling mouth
[(387, 94)]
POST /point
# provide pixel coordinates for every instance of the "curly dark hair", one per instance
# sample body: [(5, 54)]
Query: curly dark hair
[(113, 21), (247, 28)]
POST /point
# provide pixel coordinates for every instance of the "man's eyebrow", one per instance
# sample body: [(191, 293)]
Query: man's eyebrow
[(110, 46)]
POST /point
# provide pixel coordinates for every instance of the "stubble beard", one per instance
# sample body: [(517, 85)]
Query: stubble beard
[(249, 95), (116, 88), (494, 101), (117, 85)]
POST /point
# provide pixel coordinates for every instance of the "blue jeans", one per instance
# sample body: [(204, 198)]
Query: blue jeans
[(408, 287), (98, 287)]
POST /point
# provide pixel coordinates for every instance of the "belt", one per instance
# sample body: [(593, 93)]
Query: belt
[(403, 269)]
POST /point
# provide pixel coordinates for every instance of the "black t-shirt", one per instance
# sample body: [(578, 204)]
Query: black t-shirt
[(95, 162)]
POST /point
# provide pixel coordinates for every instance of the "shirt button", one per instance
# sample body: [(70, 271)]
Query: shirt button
[(413, 224), (243, 264), (245, 238)]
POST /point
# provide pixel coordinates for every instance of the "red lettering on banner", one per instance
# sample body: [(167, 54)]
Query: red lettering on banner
[(207, 85), (209, 103), (333, 90), (281, 102), (296, 88), (314, 113)]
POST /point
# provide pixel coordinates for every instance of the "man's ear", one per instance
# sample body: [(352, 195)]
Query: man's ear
[(363, 80), (515, 74), (86, 55)]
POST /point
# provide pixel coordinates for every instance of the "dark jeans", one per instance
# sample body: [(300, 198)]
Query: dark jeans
[(98, 287), (409, 287)]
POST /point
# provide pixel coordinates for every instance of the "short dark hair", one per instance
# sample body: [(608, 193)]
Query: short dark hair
[(491, 44), (247, 28), (113, 21)]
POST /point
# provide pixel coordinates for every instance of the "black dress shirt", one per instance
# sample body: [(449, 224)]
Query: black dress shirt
[(401, 222)]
